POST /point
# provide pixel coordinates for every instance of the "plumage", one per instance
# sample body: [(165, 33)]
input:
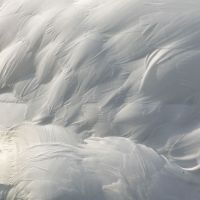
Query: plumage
[(99, 100)]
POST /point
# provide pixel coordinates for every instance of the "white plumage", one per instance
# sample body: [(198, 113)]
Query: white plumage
[(99, 100)]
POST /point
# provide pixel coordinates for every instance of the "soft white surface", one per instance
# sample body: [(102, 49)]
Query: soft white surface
[(99, 99)]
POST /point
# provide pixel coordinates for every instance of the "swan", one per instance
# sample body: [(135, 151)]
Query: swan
[(99, 99)]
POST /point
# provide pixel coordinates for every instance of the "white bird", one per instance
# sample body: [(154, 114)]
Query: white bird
[(99, 100)]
